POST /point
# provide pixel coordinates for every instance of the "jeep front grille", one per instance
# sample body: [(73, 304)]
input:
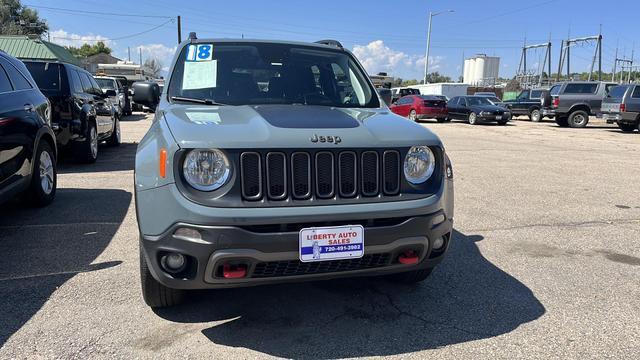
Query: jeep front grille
[(279, 176), (296, 267)]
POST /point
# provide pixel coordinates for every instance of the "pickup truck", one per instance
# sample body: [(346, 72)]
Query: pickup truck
[(622, 106), (528, 102), (572, 102)]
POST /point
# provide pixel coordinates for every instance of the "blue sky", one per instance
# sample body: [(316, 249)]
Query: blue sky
[(387, 35)]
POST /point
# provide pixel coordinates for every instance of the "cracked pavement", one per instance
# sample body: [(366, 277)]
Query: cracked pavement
[(544, 263)]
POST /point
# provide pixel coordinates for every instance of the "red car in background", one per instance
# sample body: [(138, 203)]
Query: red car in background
[(418, 107)]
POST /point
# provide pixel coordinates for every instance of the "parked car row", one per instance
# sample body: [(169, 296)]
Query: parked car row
[(570, 103), (475, 109), (47, 107)]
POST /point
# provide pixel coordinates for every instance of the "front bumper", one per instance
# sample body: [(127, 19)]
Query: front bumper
[(492, 117), (271, 256), (267, 238)]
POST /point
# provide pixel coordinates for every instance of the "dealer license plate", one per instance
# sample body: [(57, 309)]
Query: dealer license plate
[(331, 243)]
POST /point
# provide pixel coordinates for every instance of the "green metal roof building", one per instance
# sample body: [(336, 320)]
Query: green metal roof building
[(26, 48)]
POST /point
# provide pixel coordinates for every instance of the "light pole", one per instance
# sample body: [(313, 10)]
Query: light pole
[(426, 59)]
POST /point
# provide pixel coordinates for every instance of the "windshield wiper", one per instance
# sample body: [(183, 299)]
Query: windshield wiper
[(197, 101)]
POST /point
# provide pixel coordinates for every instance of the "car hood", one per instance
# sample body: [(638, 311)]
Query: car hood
[(291, 126)]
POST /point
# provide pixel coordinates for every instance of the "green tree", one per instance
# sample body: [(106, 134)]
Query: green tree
[(16, 19), (436, 77), (87, 50), (410, 82)]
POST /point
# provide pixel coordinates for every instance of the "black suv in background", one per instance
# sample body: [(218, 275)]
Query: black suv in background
[(27, 142), (528, 102), (82, 114)]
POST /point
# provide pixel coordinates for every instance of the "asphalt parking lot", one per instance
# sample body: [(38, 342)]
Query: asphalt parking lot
[(545, 263)]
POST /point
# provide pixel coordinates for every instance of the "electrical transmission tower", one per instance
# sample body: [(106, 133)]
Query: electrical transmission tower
[(565, 55), (527, 77), (624, 61)]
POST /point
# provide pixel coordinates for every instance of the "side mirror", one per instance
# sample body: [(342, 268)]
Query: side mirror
[(146, 93), (110, 93)]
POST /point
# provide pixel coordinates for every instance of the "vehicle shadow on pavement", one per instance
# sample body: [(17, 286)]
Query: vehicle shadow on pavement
[(43, 248), (134, 117), (467, 298), (121, 158)]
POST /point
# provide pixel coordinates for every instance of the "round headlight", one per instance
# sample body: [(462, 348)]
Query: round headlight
[(419, 164), (206, 169)]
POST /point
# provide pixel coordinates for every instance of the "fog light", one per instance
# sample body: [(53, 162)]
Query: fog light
[(438, 243), (173, 262)]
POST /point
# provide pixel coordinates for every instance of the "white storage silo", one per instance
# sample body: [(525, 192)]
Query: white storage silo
[(481, 69)]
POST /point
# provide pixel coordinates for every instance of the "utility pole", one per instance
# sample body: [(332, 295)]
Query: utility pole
[(426, 58), (179, 30), (560, 61), (615, 63), (600, 57), (140, 55), (600, 54), (462, 68), (631, 64), (129, 50)]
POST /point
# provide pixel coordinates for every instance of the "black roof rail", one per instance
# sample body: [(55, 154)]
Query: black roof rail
[(329, 42)]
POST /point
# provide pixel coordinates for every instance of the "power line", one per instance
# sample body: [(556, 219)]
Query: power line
[(73, 11), (121, 37)]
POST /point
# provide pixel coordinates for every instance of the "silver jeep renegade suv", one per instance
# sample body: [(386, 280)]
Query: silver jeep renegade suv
[(272, 162)]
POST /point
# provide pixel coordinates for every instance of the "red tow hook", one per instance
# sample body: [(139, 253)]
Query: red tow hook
[(234, 271), (408, 257)]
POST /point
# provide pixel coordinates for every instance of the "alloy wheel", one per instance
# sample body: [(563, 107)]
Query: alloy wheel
[(46, 172)]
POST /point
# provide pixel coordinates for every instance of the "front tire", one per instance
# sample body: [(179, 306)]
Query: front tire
[(535, 115), (156, 295), (87, 150), (116, 137), (626, 127), (578, 119), (44, 178), (473, 118), (441, 120)]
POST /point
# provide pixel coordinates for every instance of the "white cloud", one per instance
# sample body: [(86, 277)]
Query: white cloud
[(377, 57), (159, 52), (64, 38)]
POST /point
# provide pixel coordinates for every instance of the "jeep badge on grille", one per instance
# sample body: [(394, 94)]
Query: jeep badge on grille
[(330, 139)]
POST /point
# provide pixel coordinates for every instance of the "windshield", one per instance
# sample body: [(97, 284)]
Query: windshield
[(106, 84), (267, 73), (493, 99), (478, 101), (46, 75)]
